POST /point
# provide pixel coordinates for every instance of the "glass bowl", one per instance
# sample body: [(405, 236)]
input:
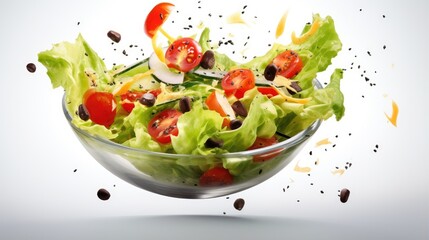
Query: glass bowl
[(177, 175)]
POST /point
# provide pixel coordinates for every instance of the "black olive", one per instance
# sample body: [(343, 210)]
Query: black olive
[(270, 72), (185, 104), (239, 108), (82, 112), (212, 143), (208, 60), (295, 86), (148, 99), (235, 123)]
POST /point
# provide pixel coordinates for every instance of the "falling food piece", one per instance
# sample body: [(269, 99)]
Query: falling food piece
[(31, 67), (301, 169), (114, 36), (281, 25), (395, 111), (236, 18), (239, 204), (103, 194), (323, 142), (338, 171), (344, 195)]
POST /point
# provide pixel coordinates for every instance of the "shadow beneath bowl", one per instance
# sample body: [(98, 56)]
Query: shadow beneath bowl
[(187, 227)]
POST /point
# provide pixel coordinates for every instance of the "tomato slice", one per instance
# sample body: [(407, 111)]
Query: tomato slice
[(128, 100), (156, 17), (237, 82), (269, 91), (289, 64), (163, 125), (264, 142), (184, 54), (101, 107), (217, 176)]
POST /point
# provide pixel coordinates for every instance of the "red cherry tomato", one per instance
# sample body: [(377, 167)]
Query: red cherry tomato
[(184, 54), (128, 99), (156, 17), (237, 82), (101, 107), (264, 142), (163, 125), (269, 91), (217, 176), (289, 64)]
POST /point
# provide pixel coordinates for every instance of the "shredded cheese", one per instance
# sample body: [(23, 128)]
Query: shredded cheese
[(301, 169), (281, 25), (305, 36), (290, 99), (236, 18), (123, 88), (324, 141)]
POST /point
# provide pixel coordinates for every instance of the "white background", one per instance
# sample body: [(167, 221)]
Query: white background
[(41, 197)]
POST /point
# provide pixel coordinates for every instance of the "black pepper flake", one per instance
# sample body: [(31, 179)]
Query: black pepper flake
[(322, 192), (78, 23), (369, 53), (74, 170), (384, 46)]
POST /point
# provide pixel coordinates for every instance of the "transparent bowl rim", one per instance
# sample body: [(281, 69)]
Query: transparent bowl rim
[(288, 143)]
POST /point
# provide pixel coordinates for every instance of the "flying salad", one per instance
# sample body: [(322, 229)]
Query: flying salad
[(188, 98)]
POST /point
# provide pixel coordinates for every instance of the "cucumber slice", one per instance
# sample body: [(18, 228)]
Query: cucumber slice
[(143, 63), (211, 74), (163, 73)]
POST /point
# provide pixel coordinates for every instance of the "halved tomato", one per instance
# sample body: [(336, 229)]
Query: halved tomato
[(128, 99), (288, 63), (101, 107), (264, 142), (268, 91), (156, 17), (236, 82), (217, 176), (163, 125), (184, 54)]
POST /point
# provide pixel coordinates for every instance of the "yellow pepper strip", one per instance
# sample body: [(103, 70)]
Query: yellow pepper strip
[(168, 36), (281, 25), (123, 88), (305, 36), (157, 48), (395, 111)]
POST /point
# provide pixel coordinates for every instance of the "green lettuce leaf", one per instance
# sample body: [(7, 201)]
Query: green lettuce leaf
[(195, 127), (73, 66), (260, 122)]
